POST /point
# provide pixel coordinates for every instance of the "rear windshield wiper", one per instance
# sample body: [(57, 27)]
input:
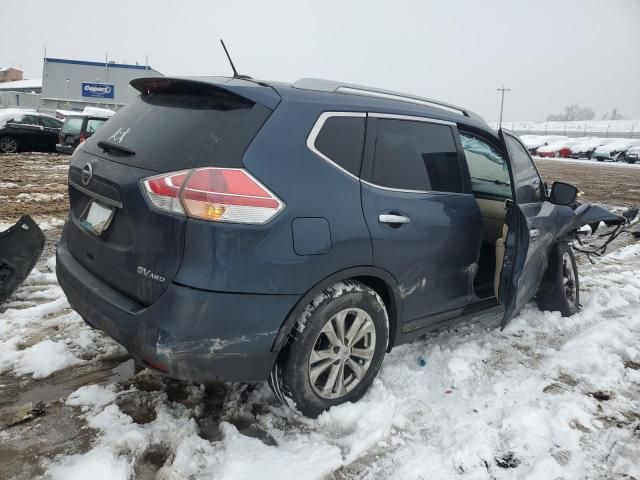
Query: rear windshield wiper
[(114, 147)]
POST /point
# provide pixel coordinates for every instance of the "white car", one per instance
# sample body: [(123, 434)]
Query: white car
[(633, 155), (585, 149), (615, 150)]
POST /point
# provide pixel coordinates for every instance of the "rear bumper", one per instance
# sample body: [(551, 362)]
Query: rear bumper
[(68, 149), (187, 333)]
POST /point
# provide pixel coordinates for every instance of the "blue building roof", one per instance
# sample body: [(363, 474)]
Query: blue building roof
[(97, 64)]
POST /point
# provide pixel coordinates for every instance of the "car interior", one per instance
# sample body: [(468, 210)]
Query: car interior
[(491, 186)]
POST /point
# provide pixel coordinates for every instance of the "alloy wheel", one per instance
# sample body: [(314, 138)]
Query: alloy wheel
[(342, 353), (8, 145)]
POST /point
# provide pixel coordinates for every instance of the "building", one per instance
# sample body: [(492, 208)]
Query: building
[(10, 74), (74, 84), (21, 94)]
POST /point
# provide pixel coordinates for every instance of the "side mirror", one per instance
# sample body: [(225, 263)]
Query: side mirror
[(563, 193)]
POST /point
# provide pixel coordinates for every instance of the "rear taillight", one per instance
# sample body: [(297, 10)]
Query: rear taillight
[(83, 137), (216, 194)]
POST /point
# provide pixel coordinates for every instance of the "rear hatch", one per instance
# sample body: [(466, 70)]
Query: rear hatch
[(70, 132), (173, 125)]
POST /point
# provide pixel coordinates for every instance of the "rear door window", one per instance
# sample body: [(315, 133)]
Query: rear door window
[(50, 122), (341, 140), (172, 130), (414, 155)]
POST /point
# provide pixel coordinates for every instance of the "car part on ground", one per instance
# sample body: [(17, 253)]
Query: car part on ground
[(20, 248)]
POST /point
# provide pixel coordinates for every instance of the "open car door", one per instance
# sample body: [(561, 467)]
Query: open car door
[(20, 247), (533, 223)]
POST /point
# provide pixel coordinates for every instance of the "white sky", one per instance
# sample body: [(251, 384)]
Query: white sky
[(551, 53)]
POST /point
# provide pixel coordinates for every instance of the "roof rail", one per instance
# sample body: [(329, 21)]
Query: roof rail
[(349, 89)]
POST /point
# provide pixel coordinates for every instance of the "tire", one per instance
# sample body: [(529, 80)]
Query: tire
[(600, 159), (8, 144), (311, 384), (621, 157), (631, 160), (560, 287)]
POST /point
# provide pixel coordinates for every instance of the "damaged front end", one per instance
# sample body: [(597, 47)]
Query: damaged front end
[(20, 248), (597, 218)]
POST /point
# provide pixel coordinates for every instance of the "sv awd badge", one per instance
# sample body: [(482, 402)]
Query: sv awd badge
[(150, 275)]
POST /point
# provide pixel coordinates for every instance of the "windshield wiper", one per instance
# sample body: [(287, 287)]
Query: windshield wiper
[(114, 147)]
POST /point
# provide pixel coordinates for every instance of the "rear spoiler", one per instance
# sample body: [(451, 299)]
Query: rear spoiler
[(256, 92)]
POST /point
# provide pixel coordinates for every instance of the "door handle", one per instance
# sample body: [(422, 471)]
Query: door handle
[(393, 218)]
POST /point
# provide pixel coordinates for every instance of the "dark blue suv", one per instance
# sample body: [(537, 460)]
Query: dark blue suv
[(240, 230)]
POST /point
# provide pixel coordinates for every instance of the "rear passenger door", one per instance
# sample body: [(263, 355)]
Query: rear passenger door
[(426, 228)]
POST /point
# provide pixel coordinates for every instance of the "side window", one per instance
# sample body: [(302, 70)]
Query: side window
[(28, 120), (487, 167), (341, 140), (526, 178), (50, 122), (414, 155)]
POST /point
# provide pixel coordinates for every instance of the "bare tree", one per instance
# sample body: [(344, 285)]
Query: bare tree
[(573, 112), (613, 115)]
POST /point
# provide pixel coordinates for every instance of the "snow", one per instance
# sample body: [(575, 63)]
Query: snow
[(19, 84), (9, 114), (559, 144), (524, 397), (619, 145), (581, 126), (590, 143), (535, 141), (43, 359)]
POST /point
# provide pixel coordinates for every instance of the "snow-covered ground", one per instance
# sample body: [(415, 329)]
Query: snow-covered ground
[(547, 398)]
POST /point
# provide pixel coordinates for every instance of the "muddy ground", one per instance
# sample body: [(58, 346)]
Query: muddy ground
[(35, 184)]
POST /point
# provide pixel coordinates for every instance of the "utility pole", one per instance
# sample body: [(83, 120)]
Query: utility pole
[(502, 103)]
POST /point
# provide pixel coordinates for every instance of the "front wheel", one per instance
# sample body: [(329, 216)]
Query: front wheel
[(560, 287), (8, 144), (335, 351)]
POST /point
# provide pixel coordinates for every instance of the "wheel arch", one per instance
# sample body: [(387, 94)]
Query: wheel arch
[(381, 281)]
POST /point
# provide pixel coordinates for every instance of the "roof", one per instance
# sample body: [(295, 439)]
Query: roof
[(335, 95), (96, 64), (20, 84)]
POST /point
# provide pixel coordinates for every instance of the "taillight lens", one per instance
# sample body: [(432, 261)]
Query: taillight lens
[(212, 193)]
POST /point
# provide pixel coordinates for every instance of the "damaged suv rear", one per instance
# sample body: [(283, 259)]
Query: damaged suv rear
[(236, 230)]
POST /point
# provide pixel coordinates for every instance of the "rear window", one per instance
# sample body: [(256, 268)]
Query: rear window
[(413, 155), (94, 124), (175, 130), (73, 125)]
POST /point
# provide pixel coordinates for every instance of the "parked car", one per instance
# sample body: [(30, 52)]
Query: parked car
[(533, 142), (615, 150), (633, 155), (586, 148), (76, 129), (227, 229), (28, 131), (558, 148)]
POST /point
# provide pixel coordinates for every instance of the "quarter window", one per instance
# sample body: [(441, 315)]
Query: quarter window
[(412, 155), (93, 124), (487, 167), (341, 140)]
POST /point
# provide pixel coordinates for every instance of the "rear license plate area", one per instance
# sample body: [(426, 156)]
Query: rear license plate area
[(97, 217)]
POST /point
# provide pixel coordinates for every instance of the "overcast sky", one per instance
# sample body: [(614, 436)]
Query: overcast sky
[(551, 53)]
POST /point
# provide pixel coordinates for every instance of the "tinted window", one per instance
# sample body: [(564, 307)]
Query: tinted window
[(173, 130), (73, 125), (487, 167), (28, 120), (50, 122), (94, 124), (525, 175), (341, 140), (416, 156)]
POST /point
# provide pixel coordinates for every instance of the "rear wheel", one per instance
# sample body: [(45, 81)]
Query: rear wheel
[(560, 288), (335, 350), (8, 144), (621, 157)]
